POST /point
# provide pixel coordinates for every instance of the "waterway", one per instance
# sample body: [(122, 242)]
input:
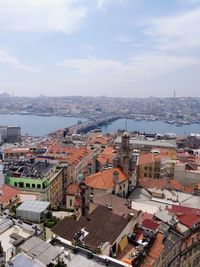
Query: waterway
[(42, 125), (38, 125), (151, 127)]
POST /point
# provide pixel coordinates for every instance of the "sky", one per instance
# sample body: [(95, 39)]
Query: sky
[(120, 48)]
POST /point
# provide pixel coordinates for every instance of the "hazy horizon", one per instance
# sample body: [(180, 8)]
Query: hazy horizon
[(115, 48), (98, 96)]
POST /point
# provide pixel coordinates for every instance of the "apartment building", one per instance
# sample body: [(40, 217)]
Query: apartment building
[(43, 178)]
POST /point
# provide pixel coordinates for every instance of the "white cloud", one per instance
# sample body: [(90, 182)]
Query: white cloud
[(124, 39), (190, 2), (101, 4), (7, 59), (140, 67), (41, 15), (176, 32)]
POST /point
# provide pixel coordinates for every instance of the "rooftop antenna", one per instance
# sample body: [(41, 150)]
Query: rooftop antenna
[(174, 94)]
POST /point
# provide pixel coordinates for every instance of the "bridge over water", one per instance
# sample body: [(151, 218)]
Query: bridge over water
[(89, 125)]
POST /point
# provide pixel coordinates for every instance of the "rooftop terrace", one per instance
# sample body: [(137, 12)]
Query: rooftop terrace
[(28, 168)]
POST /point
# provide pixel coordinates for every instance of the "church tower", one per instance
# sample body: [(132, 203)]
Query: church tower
[(123, 157)]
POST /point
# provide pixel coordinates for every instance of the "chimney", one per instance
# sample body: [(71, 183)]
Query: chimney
[(115, 177)]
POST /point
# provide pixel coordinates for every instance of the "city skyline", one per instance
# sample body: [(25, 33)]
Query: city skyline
[(121, 48)]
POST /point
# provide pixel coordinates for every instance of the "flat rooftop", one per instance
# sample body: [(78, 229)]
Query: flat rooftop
[(142, 196), (5, 238), (34, 206), (40, 250), (22, 259), (28, 168), (149, 143)]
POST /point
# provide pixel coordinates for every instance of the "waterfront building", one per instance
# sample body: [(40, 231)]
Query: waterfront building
[(10, 134)]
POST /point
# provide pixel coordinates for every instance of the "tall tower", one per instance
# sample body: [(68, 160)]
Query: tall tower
[(123, 157)]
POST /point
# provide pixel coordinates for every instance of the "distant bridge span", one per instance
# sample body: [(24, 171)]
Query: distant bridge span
[(87, 126)]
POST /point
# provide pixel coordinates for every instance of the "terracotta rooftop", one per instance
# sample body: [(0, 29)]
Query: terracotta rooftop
[(73, 189), (148, 262), (104, 179), (157, 247), (164, 184), (149, 158), (99, 139), (17, 149), (69, 154), (106, 155), (7, 193)]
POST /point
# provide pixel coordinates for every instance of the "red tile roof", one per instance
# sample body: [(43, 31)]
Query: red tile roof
[(106, 155), (104, 179), (189, 219), (149, 158), (99, 139), (164, 184), (148, 262), (8, 193), (157, 246), (73, 189), (139, 235), (178, 210), (150, 224), (65, 153), (154, 251)]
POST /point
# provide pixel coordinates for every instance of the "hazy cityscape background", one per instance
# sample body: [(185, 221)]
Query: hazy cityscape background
[(125, 48)]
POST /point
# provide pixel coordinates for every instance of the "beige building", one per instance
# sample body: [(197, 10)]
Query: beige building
[(148, 166), (56, 189), (187, 173), (190, 252)]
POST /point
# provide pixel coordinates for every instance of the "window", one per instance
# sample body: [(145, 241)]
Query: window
[(21, 184), (15, 183), (145, 168), (70, 202), (145, 174), (38, 185), (27, 185), (33, 185)]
